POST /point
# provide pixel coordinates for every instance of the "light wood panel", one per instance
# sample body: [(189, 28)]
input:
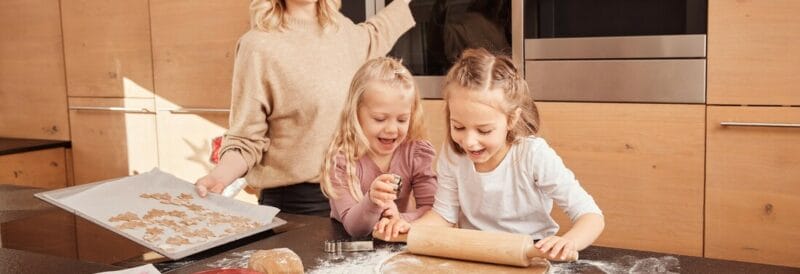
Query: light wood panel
[(41, 168), (33, 102), (753, 186), (193, 49), (107, 48), (109, 144), (753, 52), (642, 163), (435, 122), (184, 141)]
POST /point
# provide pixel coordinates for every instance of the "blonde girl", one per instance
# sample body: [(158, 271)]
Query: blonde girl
[(290, 78), (379, 143), (496, 174)]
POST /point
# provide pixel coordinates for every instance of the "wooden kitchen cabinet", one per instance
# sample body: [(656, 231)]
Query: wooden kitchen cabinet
[(184, 141), (435, 122), (111, 138), (40, 168), (642, 163), (752, 185), (107, 48), (753, 52), (33, 92), (194, 45)]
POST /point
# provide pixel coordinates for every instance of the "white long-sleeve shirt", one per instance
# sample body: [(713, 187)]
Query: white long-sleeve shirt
[(516, 197)]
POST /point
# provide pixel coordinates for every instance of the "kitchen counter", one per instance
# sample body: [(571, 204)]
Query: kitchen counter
[(14, 145), (17, 261), (305, 235)]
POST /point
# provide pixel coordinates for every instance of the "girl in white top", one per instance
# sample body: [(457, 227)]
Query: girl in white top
[(495, 174)]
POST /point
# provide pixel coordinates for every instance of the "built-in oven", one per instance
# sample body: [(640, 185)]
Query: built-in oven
[(616, 50), (444, 28)]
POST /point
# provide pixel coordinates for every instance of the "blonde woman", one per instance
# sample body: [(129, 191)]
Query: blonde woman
[(378, 155), (290, 80)]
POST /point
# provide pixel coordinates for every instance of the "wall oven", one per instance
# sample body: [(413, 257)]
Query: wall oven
[(616, 50), (444, 28)]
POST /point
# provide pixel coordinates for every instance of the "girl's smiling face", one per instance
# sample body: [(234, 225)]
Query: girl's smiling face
[(384, 115), (478, 128)]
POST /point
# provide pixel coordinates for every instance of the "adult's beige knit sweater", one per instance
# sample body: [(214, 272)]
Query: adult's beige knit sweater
[(289, 89)]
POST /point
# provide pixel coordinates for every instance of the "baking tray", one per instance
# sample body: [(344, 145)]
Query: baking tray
[(227, 219)]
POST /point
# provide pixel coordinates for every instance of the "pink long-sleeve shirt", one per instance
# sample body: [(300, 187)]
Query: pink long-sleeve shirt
[(412, 161)]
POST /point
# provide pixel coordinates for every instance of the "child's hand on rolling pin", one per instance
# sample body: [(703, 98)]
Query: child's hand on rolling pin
[(383, 190), (557, 248), (390, 227)]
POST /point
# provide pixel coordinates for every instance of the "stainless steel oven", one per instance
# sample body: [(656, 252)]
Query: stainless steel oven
[(616, 50), (445, 27)]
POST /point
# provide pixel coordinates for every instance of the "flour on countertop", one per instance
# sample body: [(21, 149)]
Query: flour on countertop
[(622, 265), (360, 262)]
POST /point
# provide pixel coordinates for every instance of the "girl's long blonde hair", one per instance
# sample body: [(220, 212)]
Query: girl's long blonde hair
[(478, 70), (349, 142), (270, 15)]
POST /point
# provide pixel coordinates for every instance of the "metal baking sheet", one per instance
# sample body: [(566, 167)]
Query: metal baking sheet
[(99, 202)]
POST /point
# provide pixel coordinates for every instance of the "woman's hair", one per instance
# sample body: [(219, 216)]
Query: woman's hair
[(479, 71), (349, 142), (270, 15)]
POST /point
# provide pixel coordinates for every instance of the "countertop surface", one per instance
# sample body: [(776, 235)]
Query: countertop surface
[(14, 145), (305, 236), (17, 261)]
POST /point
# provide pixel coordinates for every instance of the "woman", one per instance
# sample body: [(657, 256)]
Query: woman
[(290, 81)]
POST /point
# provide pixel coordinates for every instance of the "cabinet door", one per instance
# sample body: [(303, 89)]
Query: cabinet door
[(194, 44), (642, 163), (753, 52), (111, 138), (41, 168), (107, 48), (753, 190), (184, 141), (32, 89), (435, 122)]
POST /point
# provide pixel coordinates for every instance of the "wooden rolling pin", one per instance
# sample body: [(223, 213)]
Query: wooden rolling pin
[(471, 245)]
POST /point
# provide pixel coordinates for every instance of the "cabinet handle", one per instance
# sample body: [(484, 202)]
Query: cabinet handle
[(197, 110), (124, 109), (748, 124)]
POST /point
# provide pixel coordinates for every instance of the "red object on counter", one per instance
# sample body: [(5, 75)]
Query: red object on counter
[(216, 143)]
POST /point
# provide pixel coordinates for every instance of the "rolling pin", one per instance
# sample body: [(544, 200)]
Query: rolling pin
[(471, 245)]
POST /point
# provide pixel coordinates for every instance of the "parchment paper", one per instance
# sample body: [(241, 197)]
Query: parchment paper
[(98, 202)]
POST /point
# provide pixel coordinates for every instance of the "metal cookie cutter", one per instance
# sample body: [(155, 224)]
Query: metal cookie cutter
[(399, 182), (332, 246)]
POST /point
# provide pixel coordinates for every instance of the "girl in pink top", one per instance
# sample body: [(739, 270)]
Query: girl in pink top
[(379, 142)]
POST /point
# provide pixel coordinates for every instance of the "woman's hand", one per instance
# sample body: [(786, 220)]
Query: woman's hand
[(230, 167), (383, 190), (557, 248)]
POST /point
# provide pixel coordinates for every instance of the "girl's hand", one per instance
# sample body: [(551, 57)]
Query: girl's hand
[(383, 190), (557, 248), (391, 212), (391, 227)]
